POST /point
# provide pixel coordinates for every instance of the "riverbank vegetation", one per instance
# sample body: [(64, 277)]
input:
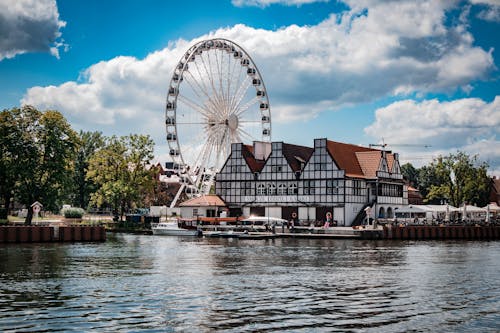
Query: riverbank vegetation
[(454, 179), (42, 158)]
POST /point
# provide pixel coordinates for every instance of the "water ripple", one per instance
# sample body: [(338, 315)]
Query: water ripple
[(163, 284)]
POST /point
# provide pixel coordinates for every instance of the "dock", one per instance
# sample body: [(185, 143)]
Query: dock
[(45, 234), (412, 232)]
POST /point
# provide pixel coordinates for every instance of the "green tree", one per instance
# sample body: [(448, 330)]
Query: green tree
[(90, 142), (14, 146), (121, 172), (40, 150), (410, 173), (460, 178)]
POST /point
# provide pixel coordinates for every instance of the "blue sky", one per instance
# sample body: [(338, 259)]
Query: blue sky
[(408, 72)]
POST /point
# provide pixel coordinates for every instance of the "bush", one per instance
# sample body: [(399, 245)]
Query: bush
[(3, 213), (72, 212)]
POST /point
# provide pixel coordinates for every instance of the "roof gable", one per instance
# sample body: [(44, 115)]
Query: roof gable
[(254, 164), (296, 155), (203, 201), (369, 162), (344, 155)]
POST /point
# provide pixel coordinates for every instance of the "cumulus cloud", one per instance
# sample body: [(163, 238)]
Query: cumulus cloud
[(29, 26), (375, 49), (490, 10), (469, 125), (266, 3)]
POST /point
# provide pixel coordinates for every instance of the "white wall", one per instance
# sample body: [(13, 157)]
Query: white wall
[(172, 211), (307, 213), (246, 211), (273, 212), (338, 215), (158, 210), (351, 210)]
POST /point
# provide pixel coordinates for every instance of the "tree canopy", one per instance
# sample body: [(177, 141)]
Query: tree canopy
[(38, 150), (456, 179), (90, 143), (120, 169)]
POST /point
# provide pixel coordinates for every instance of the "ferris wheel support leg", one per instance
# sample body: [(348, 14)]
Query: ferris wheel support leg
[(174, 202)]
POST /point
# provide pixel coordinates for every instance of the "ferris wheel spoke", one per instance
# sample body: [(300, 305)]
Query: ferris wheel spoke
[(247, 106), (201, 82), (210, 77), (193, 105), (230, 77), (246, 135), (239, 88), (249, 122), (219, 72), (204, 159), (209, 90), (238, 97), (198, 87)]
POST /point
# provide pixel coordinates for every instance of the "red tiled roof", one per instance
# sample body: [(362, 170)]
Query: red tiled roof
[(344, 155), (390, 161), (358, 161), (253, 164), (204, 200), (369, 162), (294, 154)]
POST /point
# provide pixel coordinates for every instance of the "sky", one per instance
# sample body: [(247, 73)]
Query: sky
[(420, 76)]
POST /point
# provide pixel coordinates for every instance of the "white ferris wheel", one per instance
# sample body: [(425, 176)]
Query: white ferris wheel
[(216, 97)]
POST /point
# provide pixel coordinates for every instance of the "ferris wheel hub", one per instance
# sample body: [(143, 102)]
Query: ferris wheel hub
[(232, 122)]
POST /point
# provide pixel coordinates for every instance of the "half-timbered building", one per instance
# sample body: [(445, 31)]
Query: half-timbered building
[(290, 181)]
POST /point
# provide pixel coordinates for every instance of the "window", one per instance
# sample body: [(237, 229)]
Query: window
[(390, 190), (332, 186), (308, 187), (271, 189), (247, 188), (320, 166), (282, 190), (261, 189), (356, 184), (292, 189), (276, 168)]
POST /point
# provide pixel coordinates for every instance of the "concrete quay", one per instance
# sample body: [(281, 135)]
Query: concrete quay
[(37, 234)]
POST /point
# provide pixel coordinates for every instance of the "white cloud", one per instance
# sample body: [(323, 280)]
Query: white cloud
[(29, 26), (266, 3), (393, 48), (490, 9), (469, 124)]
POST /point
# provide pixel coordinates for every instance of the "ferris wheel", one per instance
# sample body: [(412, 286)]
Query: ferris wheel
[(216, 97)]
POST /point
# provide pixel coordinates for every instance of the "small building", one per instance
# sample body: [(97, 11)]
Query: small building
[(203, 206), (414, 196), (495, 190), (332, 178)]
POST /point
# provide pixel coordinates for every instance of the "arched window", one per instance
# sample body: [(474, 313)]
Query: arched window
[(381, 212), (389, 213), (271, 189), (261, 189), (282, 189), (292, 189)]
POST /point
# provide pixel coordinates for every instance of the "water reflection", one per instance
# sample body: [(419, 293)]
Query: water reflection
[(153, 283)]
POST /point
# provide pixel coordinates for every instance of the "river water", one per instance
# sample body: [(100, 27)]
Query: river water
[(166, 284)]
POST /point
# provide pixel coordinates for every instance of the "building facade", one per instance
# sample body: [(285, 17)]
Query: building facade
[(290, 181)]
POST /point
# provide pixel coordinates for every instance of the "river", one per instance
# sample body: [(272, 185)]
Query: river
[(166, 284)]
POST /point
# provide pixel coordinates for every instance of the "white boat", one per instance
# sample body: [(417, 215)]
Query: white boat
[(264, 221), (173, 229)]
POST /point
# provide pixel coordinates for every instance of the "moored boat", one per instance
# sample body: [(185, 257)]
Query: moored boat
[(173, 229)]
